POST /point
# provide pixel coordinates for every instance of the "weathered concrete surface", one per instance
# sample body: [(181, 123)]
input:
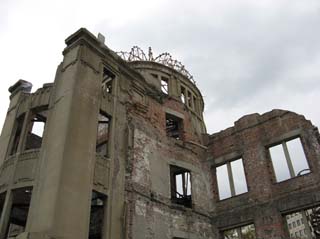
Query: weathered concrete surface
[(135, 177)]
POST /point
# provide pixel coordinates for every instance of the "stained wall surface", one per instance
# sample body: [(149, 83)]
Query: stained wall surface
[(125, 154)]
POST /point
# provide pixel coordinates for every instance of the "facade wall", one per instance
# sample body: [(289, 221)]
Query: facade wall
[(69, 189), (267, 200)]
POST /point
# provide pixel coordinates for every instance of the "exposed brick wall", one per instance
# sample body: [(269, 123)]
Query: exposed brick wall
[(151, 214), (250, 138)]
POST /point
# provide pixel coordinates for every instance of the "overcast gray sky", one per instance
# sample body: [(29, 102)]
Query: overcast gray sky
[(247, 56)]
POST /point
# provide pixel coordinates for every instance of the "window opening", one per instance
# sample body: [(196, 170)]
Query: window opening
[(36, 129), (97, 214), (244, 232), (17, 134), (174, 126), (2, 199), (183, 95), (231, 179), (304, 224), (189, 99), (103, 134), (195, 103), (180, 186), (164, 85), (19, 211), (154, 76), (288, 160), (107, 81)]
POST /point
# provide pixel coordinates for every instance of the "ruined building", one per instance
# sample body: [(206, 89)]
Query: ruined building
[(116, 148)]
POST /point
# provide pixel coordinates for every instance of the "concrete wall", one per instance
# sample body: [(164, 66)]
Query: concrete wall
[(135, 176)]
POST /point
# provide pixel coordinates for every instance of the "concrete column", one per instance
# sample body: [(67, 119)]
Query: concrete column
[(231, 182), (17, 91), (174, 87), (24, 132), (288, 159), (5, 216), (61, 207)]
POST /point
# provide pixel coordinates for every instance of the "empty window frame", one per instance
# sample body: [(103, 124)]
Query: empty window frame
[(308, 226), (180, 179), (244, 232), (165, 85), (19, 211), (17, 134), (195, 103), (189, 99), (288, 159), (97, 215), (183, 94), (107, 81), (103, 134), (36, 128), (231, 179), (174, 126)]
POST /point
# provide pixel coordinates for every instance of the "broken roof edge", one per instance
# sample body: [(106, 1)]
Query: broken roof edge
[(136, 54), (253, 120), (148, 65), (85, 36)]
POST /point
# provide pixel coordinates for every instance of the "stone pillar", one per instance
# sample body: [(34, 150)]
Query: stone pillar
[(5, 216), (17, 91), (174, 87), (60, 205)]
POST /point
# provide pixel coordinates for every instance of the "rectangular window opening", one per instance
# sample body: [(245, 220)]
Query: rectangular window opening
[(195, 103), (231, 179), (180, 186), (19, 211), (97, 215), (183, 95), (107, 81), (305, 224), (174, 126), (164, 84), (189, 99), (103, 131), (154, 75), (35, 129), (288, 160), (244, 232), (17, 134), (2, 199)]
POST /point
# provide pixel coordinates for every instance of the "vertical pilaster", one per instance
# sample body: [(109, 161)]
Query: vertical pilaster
[(5, 216), (288, 159), (17, 91), (63, 189), (231, 182)]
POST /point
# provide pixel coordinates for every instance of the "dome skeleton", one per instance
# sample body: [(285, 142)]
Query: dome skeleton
[(137, 54)]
